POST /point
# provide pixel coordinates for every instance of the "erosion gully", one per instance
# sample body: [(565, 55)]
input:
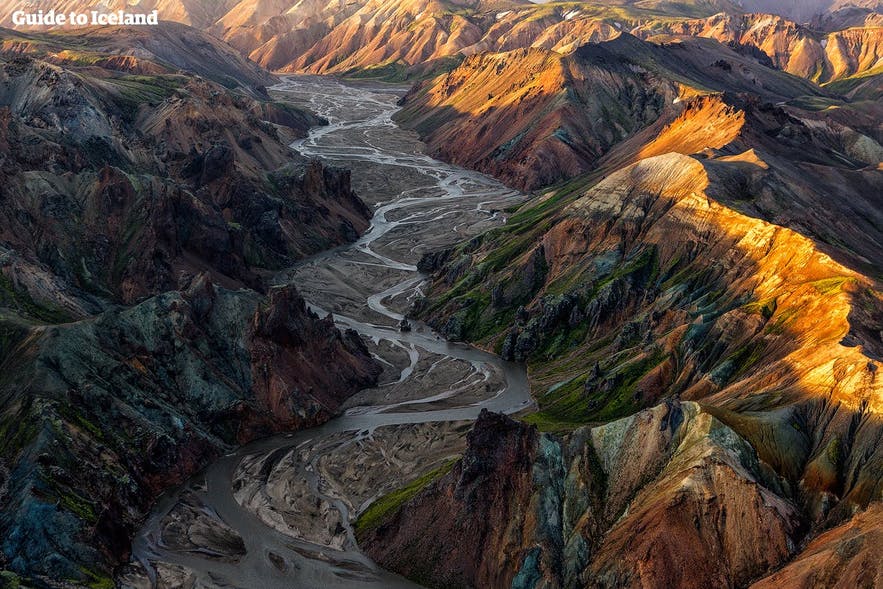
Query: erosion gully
[(278, 512)]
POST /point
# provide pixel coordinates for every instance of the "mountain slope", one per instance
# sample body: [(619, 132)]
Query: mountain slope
[(166, 48), (196, 13), (645, 292), (141, 210), (701, 315), (536, 117), (821, 57), (402, 39), (156, 176)]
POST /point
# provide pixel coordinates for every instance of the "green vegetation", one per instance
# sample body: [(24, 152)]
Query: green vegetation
[(16, 432), (9, 580), (77, 505), (97, 580), (547, 423), (815, 103), (131, 92), (19, 300), (765, 309), (860, 84), (571, 406), (746, 357), (386, 506), (830, 285), (397, 72)]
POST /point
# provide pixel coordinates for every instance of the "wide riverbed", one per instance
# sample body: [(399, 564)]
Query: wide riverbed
[(278, 512)]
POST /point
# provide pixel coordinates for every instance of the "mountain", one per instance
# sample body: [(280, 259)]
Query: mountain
[(168, 48), (536, 116), (806, 10), (695, 283), (733, 364), (821, 57), (672, 496), (156, 174), (399, 39), (142, 209), (196, 13), (701, 313)]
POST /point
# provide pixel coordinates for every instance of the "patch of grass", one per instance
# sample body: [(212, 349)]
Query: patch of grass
[(765, 308), (384, 507), (548, 424), (570, 406), (829, 285), (74, 503), (97, 580), (563, 341), (397, 72), (746, 356), (16, 432), (9, 580), (134, 91), (22, 302)]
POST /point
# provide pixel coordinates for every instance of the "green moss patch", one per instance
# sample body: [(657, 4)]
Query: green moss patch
[(384, 507)]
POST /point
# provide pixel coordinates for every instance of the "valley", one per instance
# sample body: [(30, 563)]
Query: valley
[(288, 504), (443, 294)]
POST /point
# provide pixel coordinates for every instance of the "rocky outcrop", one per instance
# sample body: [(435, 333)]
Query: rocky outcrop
[(796, 49), (701, 276), (668, 497), (845, 556), (480, 502), (536, 117), (144, 192), (139, 218), (165, 48), (184, 375), (417, 38)]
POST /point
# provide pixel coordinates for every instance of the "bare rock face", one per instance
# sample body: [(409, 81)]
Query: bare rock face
[(535, 117), (670, 496), (791, 47), (480, 502), (414, 38), (846, 556), (137, 195), (709, 292), (139, 217), (87, 454), (291, 346)]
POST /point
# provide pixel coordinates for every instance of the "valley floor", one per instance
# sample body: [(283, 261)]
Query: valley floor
[(281, 510)]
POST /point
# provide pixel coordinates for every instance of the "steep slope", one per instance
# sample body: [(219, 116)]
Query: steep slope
[(166, 48), (157, 176), (184, 376), (669, 497), (648, 292), (822, 57), (846, 556), (535, 117), (398, 39), (196, 13), (701, 317), (141, 208), (808, 10)]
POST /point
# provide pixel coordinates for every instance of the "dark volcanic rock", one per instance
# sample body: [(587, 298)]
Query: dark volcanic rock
[(491, 486), (117, 198), (669, 497), (104, 413), (172, 194)]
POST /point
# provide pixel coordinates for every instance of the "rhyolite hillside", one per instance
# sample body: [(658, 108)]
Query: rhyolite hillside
[(701, 314), (142, 210)]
